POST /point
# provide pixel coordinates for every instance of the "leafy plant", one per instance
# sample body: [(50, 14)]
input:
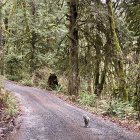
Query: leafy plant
[(118, 108), (14, 67), (27, 82), (13, 77), (9, 103), (60, 88), (43, 84), (87, 99)]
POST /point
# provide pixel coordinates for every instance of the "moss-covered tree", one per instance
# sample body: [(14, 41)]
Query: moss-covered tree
[(117, 54), (73, 48), (1, 42)]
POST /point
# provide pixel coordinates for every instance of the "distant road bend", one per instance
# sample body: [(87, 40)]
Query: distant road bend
[(46, 117)]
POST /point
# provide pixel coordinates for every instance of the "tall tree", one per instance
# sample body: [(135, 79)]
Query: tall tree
[(0, 26), (138, 94), (73, 51), (33, 38), (117, 53), (1, 42)]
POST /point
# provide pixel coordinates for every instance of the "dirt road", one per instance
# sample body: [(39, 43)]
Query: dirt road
[(46, 117)]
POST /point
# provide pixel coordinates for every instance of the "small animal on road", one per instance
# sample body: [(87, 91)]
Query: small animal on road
[(86, 120)]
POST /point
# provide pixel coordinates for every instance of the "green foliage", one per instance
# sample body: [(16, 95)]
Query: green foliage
[(27, 82), (1, 82), (43, 84), (87, 99), (132, 15), (34, 33), (60, 88), (13, 77), (14, 67), (118, 108), (9, 102)]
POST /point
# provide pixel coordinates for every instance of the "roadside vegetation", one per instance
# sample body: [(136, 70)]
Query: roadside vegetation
[(9, 107), (9, 110), (92, 46)]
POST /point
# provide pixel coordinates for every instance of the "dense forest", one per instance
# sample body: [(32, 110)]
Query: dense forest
[(93, 46)]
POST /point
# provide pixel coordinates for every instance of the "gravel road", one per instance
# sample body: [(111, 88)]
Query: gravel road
[(46, 117)]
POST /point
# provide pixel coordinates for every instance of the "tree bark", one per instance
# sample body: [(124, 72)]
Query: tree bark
[(138, 94), (0, 28), (138, 79), (1, 43), (117, 53), (33, 40), (103, 76), (89, 69), (97, 70), (73, 86)]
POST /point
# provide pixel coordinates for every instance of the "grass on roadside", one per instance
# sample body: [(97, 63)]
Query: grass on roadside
[(8, 105)]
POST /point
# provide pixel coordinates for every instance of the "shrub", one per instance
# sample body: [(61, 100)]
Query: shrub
[(87, 99), (9, 103), (27, 82), (118, 108), (60, 88), (13, 77), (14, 67)]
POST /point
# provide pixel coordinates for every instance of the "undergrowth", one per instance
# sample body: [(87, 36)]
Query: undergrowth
[(87, 99), (123, 110), (8, 104), (107, 107), (27, 80)]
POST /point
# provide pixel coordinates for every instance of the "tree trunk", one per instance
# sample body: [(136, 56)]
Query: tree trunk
[(89, 69), (103, 76), (33, 41), (73, 86), (1, 43), (0, 30), (138, 94), (138, 78), (98, 45), (117, 53), (97, 71)]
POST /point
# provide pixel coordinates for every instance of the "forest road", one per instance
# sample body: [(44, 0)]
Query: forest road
[(46, 117)]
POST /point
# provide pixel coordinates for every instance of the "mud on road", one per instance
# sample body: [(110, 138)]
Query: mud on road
[(46, 117)]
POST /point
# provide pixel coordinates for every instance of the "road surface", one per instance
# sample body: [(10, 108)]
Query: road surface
[(46, 117)]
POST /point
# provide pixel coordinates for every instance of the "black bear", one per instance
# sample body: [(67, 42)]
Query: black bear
[(52, 81)]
